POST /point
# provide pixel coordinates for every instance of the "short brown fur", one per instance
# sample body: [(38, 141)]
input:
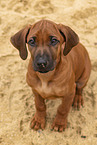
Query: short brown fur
[(68, 78)]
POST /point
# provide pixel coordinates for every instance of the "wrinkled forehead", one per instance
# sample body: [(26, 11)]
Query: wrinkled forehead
[(44, 28)]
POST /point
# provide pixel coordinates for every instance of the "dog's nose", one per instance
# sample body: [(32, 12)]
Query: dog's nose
[(42, 63)]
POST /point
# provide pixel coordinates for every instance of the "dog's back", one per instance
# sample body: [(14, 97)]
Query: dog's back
[(81, 64)]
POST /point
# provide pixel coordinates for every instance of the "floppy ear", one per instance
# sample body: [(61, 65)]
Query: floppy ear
[(70, 37), (19, 41)]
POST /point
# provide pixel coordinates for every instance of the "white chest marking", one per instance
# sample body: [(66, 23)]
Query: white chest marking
[(44, 89)]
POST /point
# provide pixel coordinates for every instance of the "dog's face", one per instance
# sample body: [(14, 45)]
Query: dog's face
[(45, 41)]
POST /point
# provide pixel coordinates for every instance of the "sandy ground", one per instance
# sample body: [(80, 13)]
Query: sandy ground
[(16, 98)]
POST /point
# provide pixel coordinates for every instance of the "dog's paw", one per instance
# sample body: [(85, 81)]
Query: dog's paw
[(78, 102), (59, 124), (37, 122)]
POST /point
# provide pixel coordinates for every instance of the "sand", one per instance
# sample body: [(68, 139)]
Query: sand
[(16, 98)]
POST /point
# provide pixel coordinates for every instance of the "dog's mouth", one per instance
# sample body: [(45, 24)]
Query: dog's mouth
[(43, 70)]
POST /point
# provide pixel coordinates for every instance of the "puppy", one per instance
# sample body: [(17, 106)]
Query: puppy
[(59, 67)]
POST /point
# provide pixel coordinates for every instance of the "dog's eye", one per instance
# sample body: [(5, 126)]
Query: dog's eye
[(53, 41), (32, 41)]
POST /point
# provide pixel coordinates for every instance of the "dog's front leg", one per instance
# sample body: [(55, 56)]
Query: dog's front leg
[(60, 121), (38, 121)]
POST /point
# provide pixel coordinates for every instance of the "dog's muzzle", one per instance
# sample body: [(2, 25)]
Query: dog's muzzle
[(43, 64)]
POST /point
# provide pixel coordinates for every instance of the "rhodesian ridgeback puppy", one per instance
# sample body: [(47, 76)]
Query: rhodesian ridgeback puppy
[(59, 67)]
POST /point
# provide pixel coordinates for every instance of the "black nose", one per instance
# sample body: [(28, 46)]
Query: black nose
[(41, 63)]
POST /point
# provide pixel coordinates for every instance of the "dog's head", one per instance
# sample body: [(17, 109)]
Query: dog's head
[(46, 41)]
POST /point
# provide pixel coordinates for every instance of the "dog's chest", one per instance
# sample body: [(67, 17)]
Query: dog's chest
[(43, 88), (47, 90)]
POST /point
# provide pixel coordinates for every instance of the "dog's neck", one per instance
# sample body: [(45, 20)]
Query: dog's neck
[(46, 77)]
